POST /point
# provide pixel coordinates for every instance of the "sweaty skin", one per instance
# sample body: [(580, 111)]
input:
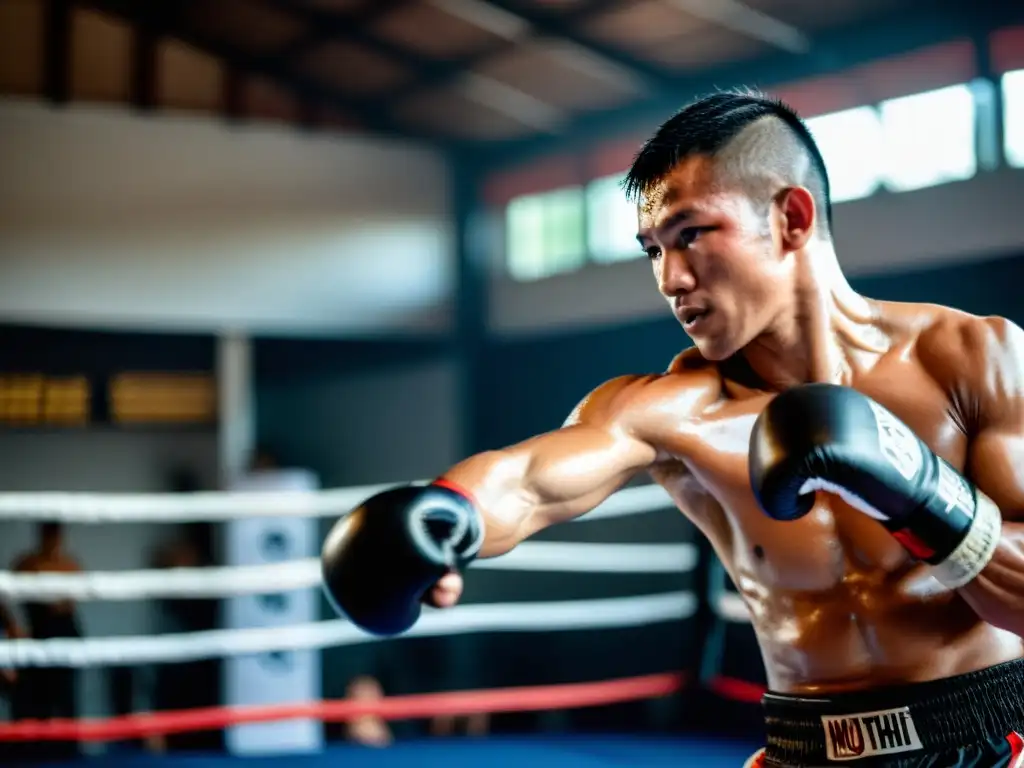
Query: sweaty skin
[(837, 604)]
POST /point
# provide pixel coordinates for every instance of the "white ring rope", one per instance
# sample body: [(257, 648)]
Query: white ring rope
[(554, 557), (304, 574), (497, 617), (220, 506)]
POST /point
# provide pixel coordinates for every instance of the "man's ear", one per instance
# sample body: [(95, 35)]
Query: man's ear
[(797, 217)]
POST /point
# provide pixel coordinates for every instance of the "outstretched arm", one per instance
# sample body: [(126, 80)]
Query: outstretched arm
[(993, 361), (559, 475), (407, 544)]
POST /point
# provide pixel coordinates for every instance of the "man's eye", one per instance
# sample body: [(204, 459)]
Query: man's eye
[(688, 235)]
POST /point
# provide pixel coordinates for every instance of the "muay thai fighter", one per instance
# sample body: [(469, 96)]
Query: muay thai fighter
[(857, 465)]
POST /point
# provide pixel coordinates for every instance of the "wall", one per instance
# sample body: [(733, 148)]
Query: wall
[(955, 223), (109, 218), (395, 423)]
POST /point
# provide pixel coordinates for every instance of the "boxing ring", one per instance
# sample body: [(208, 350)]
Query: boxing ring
[(227, 582)]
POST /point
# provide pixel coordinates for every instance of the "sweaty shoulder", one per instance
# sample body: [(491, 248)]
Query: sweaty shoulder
[(689, 382), (978, 360)]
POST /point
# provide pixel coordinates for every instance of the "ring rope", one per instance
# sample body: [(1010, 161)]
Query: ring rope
[(490, 617), (522, 699), (221, 506), (229, 581)]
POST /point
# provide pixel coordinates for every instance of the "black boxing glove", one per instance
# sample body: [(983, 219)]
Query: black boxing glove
[(822, 437), (380, 559)]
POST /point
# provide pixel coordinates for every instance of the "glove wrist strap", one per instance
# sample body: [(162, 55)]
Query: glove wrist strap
[(471, 540), (977, 548)]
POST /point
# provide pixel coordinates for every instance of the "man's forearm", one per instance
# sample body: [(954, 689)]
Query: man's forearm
[(546, 480), (494, 481), (997, 593)]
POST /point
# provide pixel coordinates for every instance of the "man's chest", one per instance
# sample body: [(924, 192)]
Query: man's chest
[(708, 476)]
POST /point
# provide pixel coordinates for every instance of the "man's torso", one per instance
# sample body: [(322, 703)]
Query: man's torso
[(44, 613), (836, 602)]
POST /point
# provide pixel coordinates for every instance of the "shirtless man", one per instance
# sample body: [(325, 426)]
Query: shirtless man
[(885, 584), (48, 691), (10, 630)]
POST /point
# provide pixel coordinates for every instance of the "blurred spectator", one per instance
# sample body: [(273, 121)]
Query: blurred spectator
[(370, 730), (8, 629), (195, 684), (48, 692), (471, 725), (263, 459)]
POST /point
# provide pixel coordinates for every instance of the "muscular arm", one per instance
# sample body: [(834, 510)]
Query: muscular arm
[(562, 474), (993, 362)]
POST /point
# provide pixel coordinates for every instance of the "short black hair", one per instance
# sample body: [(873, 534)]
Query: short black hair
[(50, 528), (710, 124)]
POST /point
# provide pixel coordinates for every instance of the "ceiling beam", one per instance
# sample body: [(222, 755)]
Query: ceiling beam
[(514, 103), (306, 90), (515, 27), (740, 18), (352, 29), (485, 91), (558, 27), (146, 31), (831, 53), (57, 51), (329, 26)]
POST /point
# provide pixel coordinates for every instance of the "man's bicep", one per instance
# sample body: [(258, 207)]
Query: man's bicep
[(574, 468), (581, 466), (995, 464), (996, 450)]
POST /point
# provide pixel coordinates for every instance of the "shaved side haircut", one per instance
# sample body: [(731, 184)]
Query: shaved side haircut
[(756, 143)]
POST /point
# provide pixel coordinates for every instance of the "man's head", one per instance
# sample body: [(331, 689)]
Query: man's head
[(51, 536), (727, 190)]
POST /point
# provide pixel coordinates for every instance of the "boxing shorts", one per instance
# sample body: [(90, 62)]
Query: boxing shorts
[(973, 720)]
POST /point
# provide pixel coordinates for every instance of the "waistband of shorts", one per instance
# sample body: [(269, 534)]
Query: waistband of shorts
[(946, 714)]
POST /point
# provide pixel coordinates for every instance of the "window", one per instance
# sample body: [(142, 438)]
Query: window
[(611, 221), (1013, 118), (544, 234), (929, 138), (850, 143), (524, 237)]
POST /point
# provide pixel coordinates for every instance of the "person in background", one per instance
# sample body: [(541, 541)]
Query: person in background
[(42, 693), (369, 730), (10, 630), (191, 684), (471, 725)]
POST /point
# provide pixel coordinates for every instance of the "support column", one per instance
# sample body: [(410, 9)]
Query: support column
[(988, 123), (277, 677), (237, 406), (472, 259)]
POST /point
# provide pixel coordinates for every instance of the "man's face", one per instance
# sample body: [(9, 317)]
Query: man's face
[(714, 258)]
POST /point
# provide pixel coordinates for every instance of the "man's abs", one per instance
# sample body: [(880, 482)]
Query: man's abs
[(854, 637), (836, 603)]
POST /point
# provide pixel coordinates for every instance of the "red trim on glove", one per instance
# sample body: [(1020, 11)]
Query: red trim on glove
[(442, 482), (913, 545), (1017, 750)]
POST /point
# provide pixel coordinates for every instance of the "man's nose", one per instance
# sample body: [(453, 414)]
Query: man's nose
[(676, 276)]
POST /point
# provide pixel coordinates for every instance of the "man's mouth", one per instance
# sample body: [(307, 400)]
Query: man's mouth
[(692, 317)]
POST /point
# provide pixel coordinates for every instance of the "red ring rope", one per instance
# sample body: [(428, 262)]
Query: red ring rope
[(737, 690), (525, 699)]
